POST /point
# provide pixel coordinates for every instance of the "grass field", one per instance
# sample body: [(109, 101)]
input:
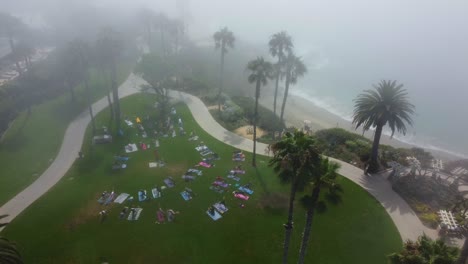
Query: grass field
[(32, 142), (63, 226)]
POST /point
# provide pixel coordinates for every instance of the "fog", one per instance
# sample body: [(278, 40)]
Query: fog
[(347, 45)]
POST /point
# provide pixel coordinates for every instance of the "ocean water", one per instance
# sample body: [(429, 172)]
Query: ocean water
[(441, 111), (441, 99)]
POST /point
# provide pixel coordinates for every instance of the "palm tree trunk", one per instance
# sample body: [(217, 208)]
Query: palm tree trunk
[(276, 85), (308, 226), (257, 95), (289, 225), (221, 71), (90, 105), (285, 97), (374, 162), (115, 93)]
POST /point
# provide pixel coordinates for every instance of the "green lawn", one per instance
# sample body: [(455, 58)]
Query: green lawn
[(63, 226), (32, 142)]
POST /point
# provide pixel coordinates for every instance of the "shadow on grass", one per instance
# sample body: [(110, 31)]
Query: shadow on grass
[(262, 181)]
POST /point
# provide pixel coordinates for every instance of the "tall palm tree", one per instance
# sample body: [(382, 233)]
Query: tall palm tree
[(224, 39), (294, 68), (425, 251), (161, 22), (280, 44), (294, 159), (147, 17), (82, 53), (325, 177), (110, 46), (260, 72), (387, 104)]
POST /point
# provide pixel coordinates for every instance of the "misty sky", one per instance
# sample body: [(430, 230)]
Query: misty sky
[(423, 44)]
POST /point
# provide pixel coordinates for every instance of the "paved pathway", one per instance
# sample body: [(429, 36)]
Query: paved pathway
[(408, 224)]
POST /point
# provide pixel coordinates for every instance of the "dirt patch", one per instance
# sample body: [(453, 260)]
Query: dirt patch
[(87, 212), (176, 170), (247, 132)]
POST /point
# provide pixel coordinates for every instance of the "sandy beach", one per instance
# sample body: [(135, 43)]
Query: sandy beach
[(299, 109)]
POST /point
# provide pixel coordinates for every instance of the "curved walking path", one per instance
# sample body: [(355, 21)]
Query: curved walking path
[(408, 224)]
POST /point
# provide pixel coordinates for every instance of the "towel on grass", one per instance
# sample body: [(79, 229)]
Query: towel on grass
[(142, 195), (131, 148), (214, 216), (186, 195), (246, 190), (220, 184), (201, 148), (220, 207), (198, 172), (169, 182), (216, 189), (188, 177), (109, 198), (121, 198), (241, 196), (153, 164), (233, 177), (204, 164), (156, 193), (134, 214), (237, 171)]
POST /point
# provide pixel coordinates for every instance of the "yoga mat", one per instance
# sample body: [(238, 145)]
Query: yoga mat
[(121, 198), (134, 148), (137, 214), (153, 164), (155, 193), (169, 183), (241, 196), (216, 215), (186, 195), (246, 190), (142, 196), (221, 208)]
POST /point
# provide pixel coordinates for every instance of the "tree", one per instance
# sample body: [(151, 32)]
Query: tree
[(71, 72), (157, 72), (110, 46), (294, 68), (325, 176), (11, 26), (425, 159), (260, 73), (9, 254), (147, 17), (280, 43), (388, 103), (294, 160), (425, 251), (224, 39), (81, 52), (160, 23)]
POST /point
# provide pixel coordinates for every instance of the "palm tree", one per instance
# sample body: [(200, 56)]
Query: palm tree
[(260, 72), (82, 52), (388, 103), (325, 177), (294, 68), (425, 251), (8, 251), (110, 46), (147, 17), (280, 43), (295, 160), (161, 22), (224, 39)]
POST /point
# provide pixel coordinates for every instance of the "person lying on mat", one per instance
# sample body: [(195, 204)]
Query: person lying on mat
[(211, 210)]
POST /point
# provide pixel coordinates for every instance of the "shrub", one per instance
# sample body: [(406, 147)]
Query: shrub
[(266, 119)]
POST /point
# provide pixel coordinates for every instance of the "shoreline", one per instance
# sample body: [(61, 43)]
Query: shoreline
[(299, 109)]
